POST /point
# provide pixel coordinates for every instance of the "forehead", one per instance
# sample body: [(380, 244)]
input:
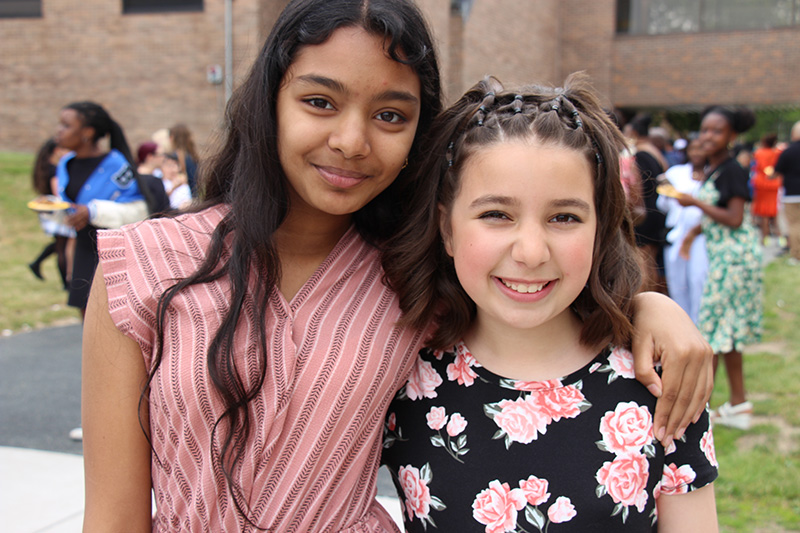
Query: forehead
[(526, 166), (354, 54), (716, 119), (69, 115)]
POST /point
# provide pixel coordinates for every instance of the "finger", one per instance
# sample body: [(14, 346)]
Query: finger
[(643, 363)]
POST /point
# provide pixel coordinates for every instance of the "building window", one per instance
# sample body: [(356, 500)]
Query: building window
[(160, 6), (20, 8), (685, 16)]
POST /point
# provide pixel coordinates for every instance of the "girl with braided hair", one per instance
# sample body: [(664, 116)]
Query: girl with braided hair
[(523, 412), (240, 357)]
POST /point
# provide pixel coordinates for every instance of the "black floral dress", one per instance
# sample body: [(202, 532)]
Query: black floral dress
[(472, 451)]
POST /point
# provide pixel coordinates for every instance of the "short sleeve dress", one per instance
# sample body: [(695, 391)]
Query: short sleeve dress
[(334, 361), (472, 451), (732, 303)]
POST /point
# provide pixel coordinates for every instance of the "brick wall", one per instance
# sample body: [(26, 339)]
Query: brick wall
[(759, 68), (149, 70)]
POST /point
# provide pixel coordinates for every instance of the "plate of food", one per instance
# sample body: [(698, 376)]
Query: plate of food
[(668, 189), (48, 204)]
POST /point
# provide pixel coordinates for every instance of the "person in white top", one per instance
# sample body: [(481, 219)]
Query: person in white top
[(685, 277)]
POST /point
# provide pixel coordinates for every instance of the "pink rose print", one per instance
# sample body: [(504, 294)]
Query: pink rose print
[(676, 480), (621, 361), (707, 445), (627, 429), (497, 506), (417, 494), (456, 425), (529, 386), (423, 381), (625, 479), (520, 420), (535, 490), (460, 369), (392, 421), (561, 511), (436, 418), (561, 402)]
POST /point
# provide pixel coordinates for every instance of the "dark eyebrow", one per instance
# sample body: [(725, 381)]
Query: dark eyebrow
[(334, 85), (572, 202), (508, 201), (493, 199)]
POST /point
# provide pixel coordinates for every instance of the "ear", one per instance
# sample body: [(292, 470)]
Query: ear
[(445, 231), (87, 132)]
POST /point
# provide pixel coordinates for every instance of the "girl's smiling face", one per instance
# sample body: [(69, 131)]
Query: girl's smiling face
[(521, 232), (347, 115)]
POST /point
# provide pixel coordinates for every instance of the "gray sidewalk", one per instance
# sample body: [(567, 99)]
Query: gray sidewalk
[(41, 469)]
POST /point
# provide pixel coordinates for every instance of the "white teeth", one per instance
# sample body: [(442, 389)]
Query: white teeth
[(524, 288)]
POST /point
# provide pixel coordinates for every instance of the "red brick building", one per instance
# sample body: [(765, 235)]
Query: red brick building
[(153, 63)]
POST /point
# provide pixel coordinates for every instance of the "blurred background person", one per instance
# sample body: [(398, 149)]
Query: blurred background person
[(731, 309), (175, 182), (650, 233), (766, 185), (183, 145), (788, 169), (53, 224), (92, 181), (685, 277), (148, 160)]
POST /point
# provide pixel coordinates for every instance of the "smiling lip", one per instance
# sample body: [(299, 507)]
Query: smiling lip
[(527, 292), (341, 178)]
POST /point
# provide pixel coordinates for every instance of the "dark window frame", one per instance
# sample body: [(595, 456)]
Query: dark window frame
[(133, 7), (634, 18), (20, 8)]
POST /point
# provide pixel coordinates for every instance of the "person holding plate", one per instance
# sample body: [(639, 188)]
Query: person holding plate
[(90, 180)]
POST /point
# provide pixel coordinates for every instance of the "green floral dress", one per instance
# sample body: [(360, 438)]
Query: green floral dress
[(731, 307)]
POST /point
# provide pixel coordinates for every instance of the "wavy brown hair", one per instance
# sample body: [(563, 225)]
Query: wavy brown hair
[(416, 263)]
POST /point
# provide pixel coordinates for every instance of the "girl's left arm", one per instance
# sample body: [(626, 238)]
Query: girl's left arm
[(665, 333), (693, 511)]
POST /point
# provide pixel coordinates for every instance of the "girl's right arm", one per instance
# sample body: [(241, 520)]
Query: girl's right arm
[(116, 451), (694, 511)]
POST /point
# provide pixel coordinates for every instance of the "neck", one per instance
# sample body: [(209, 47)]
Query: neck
[(91, 150), (717, 159), (549, 351), (303, 242)]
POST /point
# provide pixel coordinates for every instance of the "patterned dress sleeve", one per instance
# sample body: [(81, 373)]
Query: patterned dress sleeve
[(690, 463), (131, 301)]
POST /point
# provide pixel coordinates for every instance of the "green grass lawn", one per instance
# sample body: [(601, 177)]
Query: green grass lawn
[(25, 301), (759, 485)]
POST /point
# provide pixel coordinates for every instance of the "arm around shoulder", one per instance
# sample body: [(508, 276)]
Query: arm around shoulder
[(116, 450)]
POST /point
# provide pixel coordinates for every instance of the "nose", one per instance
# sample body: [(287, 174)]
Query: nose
[(530, 246), (350, 136)]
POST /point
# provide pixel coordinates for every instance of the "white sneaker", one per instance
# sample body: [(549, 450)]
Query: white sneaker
[(76, 434), (736, 416)]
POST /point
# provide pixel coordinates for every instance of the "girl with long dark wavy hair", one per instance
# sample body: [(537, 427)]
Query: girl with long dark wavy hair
[(239, 359), (523, 411)]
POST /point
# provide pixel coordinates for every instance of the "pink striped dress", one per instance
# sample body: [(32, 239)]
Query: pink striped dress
[(335, 359)]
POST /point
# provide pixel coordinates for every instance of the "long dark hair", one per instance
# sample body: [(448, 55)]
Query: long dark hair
[(245, 173), (94, 115), (43, 169), (422, 273)]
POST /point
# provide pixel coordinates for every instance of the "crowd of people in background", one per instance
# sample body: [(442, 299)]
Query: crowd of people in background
[(711, 202)]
